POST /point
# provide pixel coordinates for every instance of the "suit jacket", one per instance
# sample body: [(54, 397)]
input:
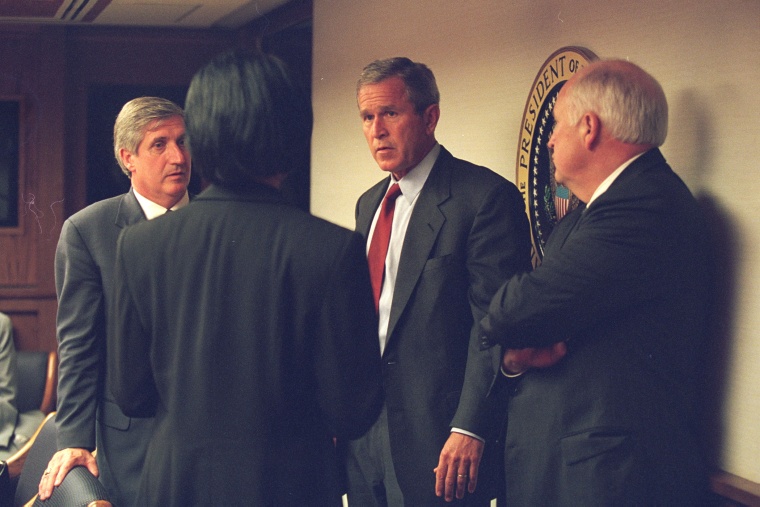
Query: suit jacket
[(624, 282), (468, 232), (255, 346), (16, 428), (8, 411), (84, 275)]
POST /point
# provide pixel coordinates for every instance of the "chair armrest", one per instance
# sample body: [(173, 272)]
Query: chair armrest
[(49, 397)]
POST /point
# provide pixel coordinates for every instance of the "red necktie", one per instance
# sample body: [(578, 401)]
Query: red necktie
[(378, 248)]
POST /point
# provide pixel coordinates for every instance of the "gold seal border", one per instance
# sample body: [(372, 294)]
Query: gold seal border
[(559, 67)]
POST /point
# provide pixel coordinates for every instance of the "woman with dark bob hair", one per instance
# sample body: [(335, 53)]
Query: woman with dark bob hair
[(248, 120), (242, 323)]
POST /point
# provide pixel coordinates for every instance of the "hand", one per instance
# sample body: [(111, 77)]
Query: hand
[(60, 464), (519, 360), (458, 466)]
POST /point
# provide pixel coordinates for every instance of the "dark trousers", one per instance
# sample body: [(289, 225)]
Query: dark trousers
[(369, 469)]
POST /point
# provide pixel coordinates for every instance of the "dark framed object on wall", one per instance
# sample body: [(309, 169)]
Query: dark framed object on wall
[(11, 128)]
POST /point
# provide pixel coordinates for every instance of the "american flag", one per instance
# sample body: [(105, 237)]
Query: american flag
[(561, 201)]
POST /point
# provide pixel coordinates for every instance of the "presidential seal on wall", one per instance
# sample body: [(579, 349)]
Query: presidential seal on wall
[(546, 202)]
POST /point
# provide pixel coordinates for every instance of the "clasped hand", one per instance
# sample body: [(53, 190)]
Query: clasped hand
[(516, 361)]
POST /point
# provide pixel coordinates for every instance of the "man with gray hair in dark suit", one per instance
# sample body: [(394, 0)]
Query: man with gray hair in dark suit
[(605, 335), (149, 144)]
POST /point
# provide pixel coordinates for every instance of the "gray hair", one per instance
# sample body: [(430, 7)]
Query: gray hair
[(629, 102), (134, 119), (419, 80)]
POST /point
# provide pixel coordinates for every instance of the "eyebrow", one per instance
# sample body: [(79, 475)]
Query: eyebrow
[(383, 109), (167, 138)]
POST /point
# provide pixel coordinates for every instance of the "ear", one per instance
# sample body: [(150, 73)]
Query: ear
[(591, 130), (431, 116), (126, 158)]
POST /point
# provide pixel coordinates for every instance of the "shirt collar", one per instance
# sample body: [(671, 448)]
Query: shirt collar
[(611, 178), (152, 210), (411, 184)]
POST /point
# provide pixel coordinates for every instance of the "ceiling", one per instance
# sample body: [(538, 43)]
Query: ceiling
[(146, 13)]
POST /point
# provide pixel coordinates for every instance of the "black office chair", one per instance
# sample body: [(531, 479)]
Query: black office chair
[(38, 452), (79, 489), (37, 377)]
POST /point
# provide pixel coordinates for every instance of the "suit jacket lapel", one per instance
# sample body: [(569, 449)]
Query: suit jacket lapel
[(129, 211), (563, 229), (424, 226), (369, 207)]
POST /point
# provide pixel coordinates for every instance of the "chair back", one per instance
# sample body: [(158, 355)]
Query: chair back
[(43, 447), (79, 489), (37, 375)]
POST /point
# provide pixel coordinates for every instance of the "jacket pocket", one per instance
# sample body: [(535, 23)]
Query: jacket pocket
[(438, 262), (109, 414), (591, 443)]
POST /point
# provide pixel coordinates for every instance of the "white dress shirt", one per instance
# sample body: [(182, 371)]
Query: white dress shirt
[(152, 210), (602, 188), (411, 185)]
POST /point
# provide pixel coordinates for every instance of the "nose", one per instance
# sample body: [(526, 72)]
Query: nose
[(377, 129), (177, 154)]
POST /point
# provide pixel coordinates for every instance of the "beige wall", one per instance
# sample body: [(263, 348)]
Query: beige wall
[(486, 53)]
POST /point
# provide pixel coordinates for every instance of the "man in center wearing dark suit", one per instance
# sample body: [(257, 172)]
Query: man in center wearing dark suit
[(456, 229), (257, 344)]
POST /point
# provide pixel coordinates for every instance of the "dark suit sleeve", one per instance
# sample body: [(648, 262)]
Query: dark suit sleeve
[(129, 341), (79, 325), (347, 362), (498, 247), (586, 280), (8, 412)]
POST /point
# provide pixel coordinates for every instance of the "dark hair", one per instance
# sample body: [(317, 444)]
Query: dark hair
[(247, 118), (419, 80)]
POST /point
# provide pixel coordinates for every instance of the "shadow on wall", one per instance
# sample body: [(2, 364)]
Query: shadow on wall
[(720, 339), (692, 123)]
